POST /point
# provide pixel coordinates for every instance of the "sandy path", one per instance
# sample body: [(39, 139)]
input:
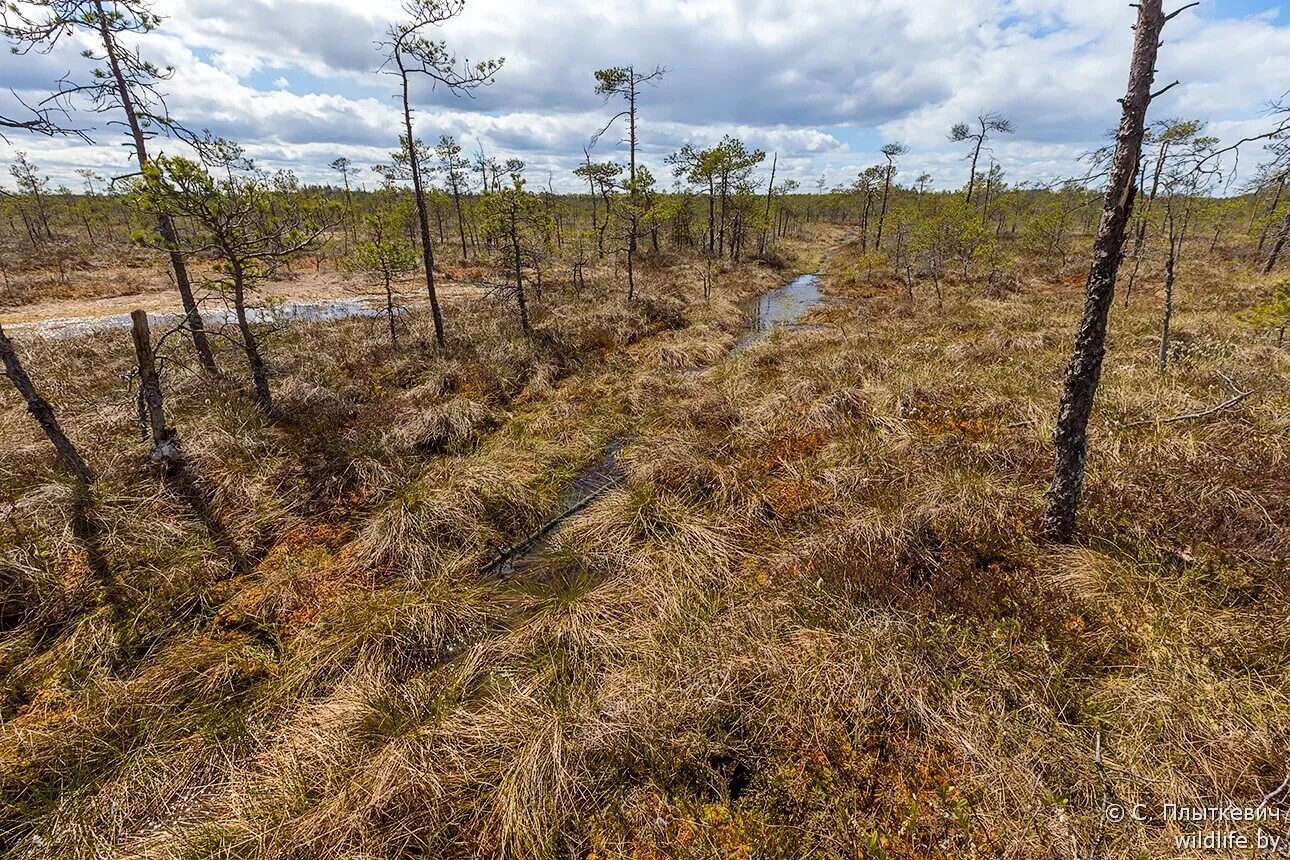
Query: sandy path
[(308, 289)]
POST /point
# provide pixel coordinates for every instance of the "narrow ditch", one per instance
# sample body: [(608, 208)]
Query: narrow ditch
[(781, 308)]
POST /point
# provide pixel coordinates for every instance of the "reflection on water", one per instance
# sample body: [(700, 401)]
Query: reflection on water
[(782, 307)]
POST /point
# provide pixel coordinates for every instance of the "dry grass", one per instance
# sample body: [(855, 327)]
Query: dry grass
[(811, 622)]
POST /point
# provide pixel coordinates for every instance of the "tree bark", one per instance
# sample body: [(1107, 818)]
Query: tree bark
[(976, 153), (461, 220), (259, 374), (165, 226), (882, 211), (1272, 211), (1084, 371), (166, 452), (423, 217), (43, 413), (1278, 245), (519, 276), (632, 221), (165, 444)]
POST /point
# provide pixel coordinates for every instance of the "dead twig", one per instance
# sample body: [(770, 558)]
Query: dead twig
[(1191, 416)]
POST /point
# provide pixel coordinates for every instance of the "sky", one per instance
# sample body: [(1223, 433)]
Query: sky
[(822, 83)]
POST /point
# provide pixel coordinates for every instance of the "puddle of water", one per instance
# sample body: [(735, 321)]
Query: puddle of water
[(319, 311), (782, 307)]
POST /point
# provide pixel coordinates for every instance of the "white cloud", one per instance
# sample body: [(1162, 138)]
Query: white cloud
[(820, 81)]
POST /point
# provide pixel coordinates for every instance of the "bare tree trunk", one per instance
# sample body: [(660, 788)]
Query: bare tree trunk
[(43, 413), (259, 375), (770, 189), (519, 277), (1140, 234), (976, 153), (1271, 214), (1084, 371), (631, 258), (712, 216), (461, 220), (604, 225), (1167, 312), (882, 210), (591, 184), (632, 221), (1278, 245), (165, 226), (165, 444), (1177, 235), (349, 212), (423, 217), (166, 452), (864, 224), (985, 204)]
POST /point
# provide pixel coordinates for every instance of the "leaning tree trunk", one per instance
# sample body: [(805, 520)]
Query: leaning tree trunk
[(43, 413), (165, 225), (1084, 371), (976, 153), (251, 344), (166, 453), (882, 211), (1278, 245)]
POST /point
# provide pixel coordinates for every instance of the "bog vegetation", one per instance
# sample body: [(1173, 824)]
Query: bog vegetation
[(541, 552)]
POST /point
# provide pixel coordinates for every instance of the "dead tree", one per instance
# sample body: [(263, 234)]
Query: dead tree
[(165, 443), (1084, 371), (43, 413)]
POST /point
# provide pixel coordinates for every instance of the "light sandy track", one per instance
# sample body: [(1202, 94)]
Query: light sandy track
[(311, 296)]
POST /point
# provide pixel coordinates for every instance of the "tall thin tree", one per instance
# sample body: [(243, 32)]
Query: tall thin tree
[(1084, 371), (345, 168), (625, 82), (891, 152), (454, 170), (987, 123), (412, 53)]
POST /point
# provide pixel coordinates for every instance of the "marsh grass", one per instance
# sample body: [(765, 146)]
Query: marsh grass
[(812, 621)]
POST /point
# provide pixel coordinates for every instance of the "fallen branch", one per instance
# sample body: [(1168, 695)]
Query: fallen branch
[(1190, 416)]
